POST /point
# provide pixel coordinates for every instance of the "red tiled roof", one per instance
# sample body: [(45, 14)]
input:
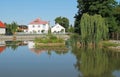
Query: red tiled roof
[(39, 21), (2, 25), (2, 48)]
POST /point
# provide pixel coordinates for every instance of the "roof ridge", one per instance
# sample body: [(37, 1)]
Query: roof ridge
[(38, 21)]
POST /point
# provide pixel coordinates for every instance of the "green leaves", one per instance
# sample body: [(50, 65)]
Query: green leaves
[(11, 28), (93, 29), (63, 21), (105, 8)]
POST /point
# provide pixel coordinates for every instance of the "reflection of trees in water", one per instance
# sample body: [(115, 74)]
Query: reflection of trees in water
[(14, 44), (57, 52), (96, 62)]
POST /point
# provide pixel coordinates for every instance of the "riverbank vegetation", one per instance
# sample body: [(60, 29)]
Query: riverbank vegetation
[(97, 21), (110, 44), (49, 39)]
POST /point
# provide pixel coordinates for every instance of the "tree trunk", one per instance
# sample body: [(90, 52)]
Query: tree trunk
[(112, 35), (117, 36)]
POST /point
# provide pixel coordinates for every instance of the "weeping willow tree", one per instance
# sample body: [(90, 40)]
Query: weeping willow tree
[(93, 29)]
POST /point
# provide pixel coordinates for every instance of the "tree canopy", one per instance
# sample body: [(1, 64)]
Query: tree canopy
[(62, 21), (105, 8), (11, 28), (93, 29)]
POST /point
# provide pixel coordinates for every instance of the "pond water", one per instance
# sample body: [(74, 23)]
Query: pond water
[(22, 59)]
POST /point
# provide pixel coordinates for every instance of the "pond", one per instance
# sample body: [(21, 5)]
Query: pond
[(22, 59)]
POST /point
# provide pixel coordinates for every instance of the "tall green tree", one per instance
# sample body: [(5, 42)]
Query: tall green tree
[(93, 29), (63, 21), (71, 29), (117, 18), (11, 28), (101, 7)]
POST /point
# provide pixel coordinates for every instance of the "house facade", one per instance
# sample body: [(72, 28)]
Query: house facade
[(38, 26), (2, 28), (58, 29)]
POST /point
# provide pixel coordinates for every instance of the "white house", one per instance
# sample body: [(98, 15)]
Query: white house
[(38, 26), (58, 29), (2, 28)]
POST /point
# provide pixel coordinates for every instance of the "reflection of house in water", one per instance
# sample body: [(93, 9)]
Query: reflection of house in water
[(57, 49), (2, 46), (31, 46)]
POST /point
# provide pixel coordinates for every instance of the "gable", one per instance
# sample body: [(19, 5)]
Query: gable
[(58, 26)]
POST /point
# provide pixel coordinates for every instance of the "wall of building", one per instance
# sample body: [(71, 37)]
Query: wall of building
[(57, 28), (2, 30), (38, 28)]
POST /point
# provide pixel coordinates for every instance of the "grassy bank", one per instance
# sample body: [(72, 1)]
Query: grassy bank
[(49, 41), (110, 43)]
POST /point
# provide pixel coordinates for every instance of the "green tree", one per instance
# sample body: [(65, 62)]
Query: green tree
[(71, 29), (93, 29), (117, 17), (11, 28), (101, 7), (14, 26), (63, 21)]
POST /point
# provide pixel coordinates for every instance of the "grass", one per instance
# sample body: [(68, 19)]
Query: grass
[(109, 44), (49, 39)]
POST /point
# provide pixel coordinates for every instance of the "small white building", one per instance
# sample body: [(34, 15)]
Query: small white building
[(38, 26), (58, 29), (2, 28)]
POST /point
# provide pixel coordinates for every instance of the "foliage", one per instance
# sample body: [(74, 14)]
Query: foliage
[(71, 29), (93, 29), (49, 39), (11, 28), (63, 21), (117, 19), (105, 8)]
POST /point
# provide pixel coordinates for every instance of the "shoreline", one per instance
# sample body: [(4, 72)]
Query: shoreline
[(28, 37), (117, 47)]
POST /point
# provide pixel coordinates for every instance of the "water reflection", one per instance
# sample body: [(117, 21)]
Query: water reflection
[(31, 46), (97, 62), (89, 62), (23, 63), (39, 50), (2, 46), (15, 44)]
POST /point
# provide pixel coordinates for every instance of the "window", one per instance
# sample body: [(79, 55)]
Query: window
[(38, 30), (33, 26), (38, 26)]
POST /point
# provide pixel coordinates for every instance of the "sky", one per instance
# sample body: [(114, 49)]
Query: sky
[(25, 11)]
